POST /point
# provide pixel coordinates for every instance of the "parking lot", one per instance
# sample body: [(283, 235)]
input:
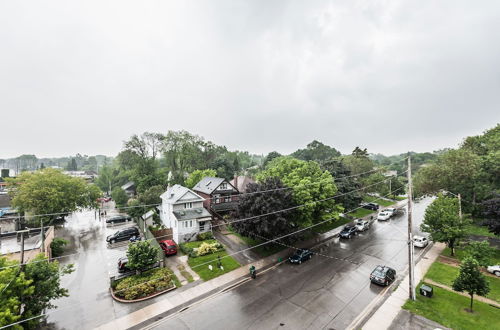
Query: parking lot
[(117, 250)]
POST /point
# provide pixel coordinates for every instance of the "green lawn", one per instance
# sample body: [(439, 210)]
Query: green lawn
[(263, 250), (379, 201), (460, 254), (196, 244), (448, 309), (399, 198), (327, 226), (446, 274), (361, 213), (200, 265)]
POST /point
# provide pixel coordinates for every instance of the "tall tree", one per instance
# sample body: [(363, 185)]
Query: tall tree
[(254, 204), (316, 151), (471, 280), (358, 162), (346, 184), (491, 213), (480, 251), (311, 186), (270, 156), (49, 191), (441, 220)]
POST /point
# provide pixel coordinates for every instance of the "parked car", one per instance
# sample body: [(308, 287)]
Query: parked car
[(391, 210), (362, 225), (420, 241), (348, 231), (123, 235), (122, 265), (104, 199), (370, 206), (119, 218), (300, 255), (383, 216), (494, 269), (169, 247), (382, 275)]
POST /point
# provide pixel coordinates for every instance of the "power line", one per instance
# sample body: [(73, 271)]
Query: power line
[(214, 260)]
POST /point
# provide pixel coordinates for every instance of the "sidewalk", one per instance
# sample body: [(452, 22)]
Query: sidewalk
[(383, 317)]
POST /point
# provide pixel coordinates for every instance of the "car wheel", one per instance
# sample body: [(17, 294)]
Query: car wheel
[(497, 273), (300, 261), (113, 241)]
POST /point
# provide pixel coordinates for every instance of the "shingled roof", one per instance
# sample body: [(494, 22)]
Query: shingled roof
[(208, 184)]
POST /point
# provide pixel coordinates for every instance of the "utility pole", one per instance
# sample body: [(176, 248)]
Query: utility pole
[(22, 247), (411, 265), (390, 187)]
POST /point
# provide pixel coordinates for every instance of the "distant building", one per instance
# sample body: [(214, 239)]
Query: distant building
[(182, 210), (88, 176), (390, 173)]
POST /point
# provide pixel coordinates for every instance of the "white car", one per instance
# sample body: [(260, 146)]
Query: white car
[(494, 269), (383, 216), (420, 241), (362, 225), (390, 210)]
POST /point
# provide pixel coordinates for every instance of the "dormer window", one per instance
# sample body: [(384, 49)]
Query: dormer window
[(188, 205), (223, 186)]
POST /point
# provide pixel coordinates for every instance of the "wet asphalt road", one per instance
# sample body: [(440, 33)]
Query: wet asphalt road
[(325, 292), (89, 304)]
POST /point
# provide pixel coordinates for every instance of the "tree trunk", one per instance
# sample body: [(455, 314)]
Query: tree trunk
[(451, 245), (471, 301)]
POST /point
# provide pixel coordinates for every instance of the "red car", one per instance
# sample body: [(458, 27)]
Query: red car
[(104, 199), (169, 247)]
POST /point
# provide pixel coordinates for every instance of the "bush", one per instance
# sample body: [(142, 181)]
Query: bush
[(186, 249), (145, 284), (204, 236), (207, 248), (57, 246), (141, 255)]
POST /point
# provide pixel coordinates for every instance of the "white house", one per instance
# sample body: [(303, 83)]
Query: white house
[(182, 210)]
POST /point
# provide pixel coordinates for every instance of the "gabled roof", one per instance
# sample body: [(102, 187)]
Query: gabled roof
[(176, 192), (243, 181), (208, 184)]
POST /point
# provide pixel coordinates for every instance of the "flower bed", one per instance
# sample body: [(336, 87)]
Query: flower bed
[(145, 284)]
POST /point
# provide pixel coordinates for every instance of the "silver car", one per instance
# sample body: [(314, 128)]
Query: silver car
[(420, 241), (494, 269), (362, 225)]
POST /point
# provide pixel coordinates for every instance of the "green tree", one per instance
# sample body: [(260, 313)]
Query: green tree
[(480, 251), (255, 204), (49, 191), (145, 201), (46, 280), (309, 184), (57, 246), (270, 156), (13, 285), (119, 196), (358, 162), (316, 151), (377, 183), (442, 222), (491, 213), (345, 182), (471, 280), (197, 175), (141, 255)]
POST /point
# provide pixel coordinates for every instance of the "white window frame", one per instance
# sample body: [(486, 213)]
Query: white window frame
[(188, 205)]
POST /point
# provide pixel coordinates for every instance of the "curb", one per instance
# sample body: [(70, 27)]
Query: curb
[(140, 299)]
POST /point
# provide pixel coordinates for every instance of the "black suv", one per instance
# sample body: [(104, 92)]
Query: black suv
[(119, 218), (370, 206), (300, 255), (123, 235), (348, 231), (383, 275)]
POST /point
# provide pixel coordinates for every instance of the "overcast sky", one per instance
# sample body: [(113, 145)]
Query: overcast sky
[(391, 76)]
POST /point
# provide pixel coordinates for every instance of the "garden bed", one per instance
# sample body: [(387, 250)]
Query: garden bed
[(145, 285)]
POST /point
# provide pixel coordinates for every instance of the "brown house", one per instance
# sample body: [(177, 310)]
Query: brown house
[(221, 197)]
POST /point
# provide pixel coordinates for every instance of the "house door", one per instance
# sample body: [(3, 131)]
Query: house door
[(202, 225)]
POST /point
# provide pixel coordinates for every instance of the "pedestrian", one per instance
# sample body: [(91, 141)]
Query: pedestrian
[(219, 263)]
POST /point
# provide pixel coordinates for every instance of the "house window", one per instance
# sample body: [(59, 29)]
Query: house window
[(202, 225), (190, 223), (223, 186), (227, 199), (188, 205), (217, 199)]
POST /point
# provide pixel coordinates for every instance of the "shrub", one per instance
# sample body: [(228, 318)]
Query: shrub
[(143, 285), (141, 255), (204, 236), (186, 249), (57, 246), (207, 248)]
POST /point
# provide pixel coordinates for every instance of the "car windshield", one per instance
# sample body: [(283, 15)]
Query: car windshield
[(378, 272), (171, 246)]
